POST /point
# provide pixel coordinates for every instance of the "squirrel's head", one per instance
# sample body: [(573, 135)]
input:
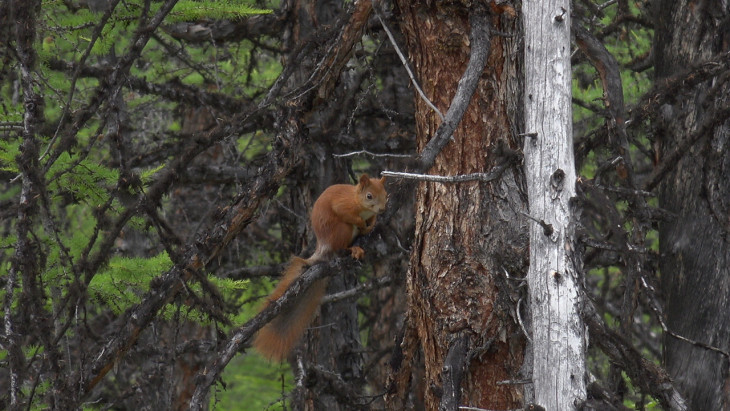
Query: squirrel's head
[(372, 193)]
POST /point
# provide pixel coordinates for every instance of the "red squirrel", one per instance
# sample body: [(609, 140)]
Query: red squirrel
[(340, 214)]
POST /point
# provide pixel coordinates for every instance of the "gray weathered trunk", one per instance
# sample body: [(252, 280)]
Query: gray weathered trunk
[(558, 333)]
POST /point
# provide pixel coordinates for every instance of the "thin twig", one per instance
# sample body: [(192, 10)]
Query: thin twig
[(67, 107), (371, 154), (670, 160), (657, 311), (522, 324), (483, 177), (405, 64), (356, 291)]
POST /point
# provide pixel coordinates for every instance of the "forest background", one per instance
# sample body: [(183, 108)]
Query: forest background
[(158, 160)]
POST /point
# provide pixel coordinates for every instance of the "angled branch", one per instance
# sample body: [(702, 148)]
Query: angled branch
[(328, 71), (667, 89), (75, 73), (658, 312), (112, 83), (206, 31), (608, 70), (172, 90), (240, 337), (670, 160), (649, 377), (479, 40), (407, 67), (199, 253)]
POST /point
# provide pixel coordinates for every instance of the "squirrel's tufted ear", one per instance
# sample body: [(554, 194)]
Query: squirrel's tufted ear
[(382, 180), (364, 180)]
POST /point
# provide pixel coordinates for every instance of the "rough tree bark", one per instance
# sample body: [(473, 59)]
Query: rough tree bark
[(694, 246), (558, 333), (467, 234)]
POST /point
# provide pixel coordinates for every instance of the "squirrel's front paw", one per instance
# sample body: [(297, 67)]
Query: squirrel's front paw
[(357, 252)]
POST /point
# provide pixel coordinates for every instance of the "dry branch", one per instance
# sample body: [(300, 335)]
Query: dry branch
[(201, 252), (241, 336), (649, 377), (112, 84)]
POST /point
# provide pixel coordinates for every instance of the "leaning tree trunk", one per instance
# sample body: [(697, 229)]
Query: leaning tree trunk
[(469, 236), (695, 243)]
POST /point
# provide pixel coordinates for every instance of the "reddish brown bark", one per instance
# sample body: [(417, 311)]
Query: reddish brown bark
[(467, 232)]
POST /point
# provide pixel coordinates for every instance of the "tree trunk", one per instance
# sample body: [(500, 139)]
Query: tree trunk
[(468, 235), (558, 333), (694, 245)]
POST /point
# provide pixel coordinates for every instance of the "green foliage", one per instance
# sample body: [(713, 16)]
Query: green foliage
[(41, 389), (8, 242), (9, 150), (88, 181), (626, 46), (148, 175), (70, 35), (68, 244), (252, 383), (83, 202), (124, 279), (189, 10), (234, 291)]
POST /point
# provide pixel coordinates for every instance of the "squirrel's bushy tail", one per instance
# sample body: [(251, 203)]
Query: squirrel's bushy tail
[(276, 339)]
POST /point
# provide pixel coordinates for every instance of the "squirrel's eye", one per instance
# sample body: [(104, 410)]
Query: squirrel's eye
[(370, 196)]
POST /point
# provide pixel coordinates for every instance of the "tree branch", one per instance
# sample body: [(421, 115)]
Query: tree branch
[(172, 90), (608, 70), (649, 377), (669, 88), (340, 54), (669, 161), (479, 40), (75, 73), (482, 177), (112, 83), (207, 31), (243, 335), (407, 67), (201, 252), (357, 291)]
